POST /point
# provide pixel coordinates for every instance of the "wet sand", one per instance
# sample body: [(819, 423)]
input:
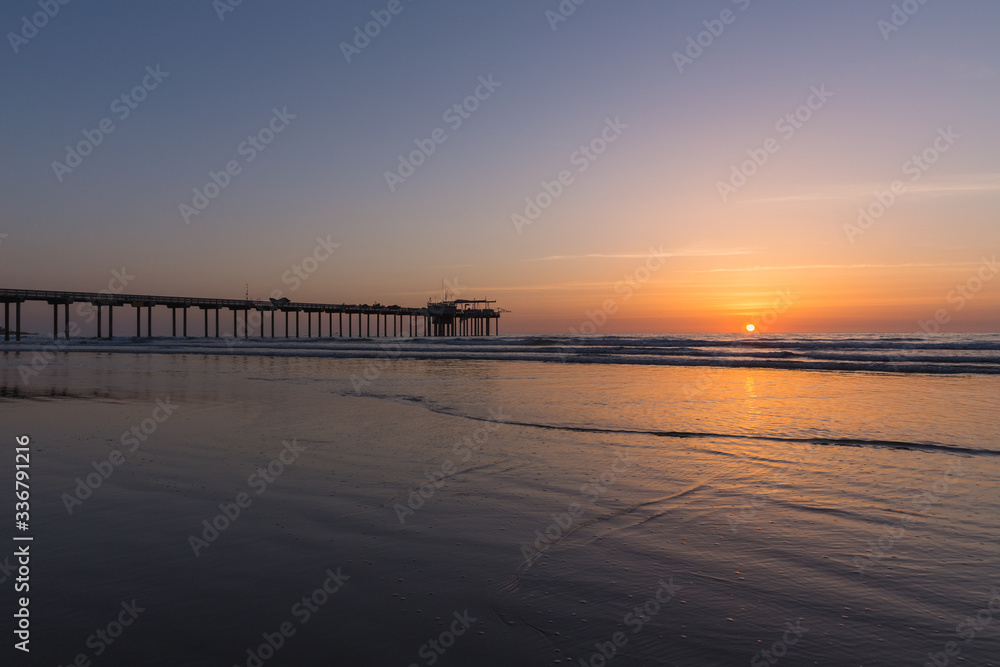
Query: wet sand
[(543, 501)]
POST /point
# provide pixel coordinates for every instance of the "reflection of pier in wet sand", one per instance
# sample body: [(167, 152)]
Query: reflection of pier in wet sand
[(460, 317)]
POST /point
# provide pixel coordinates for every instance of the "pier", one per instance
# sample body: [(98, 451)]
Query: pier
[(458, 317)]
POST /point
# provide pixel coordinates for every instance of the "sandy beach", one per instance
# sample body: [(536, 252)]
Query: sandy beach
[(482, 512)]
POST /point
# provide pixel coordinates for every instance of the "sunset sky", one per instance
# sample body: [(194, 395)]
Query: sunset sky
[(666, 217)]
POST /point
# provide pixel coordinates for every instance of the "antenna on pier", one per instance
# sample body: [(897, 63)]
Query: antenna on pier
[(247, 293)]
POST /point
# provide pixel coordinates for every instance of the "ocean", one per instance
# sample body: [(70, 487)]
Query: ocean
[(513, 500)]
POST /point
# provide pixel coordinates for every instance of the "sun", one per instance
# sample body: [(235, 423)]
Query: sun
[(751, 328)]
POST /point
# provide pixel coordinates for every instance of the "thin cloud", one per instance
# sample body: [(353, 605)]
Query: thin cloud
[(806, 267), (495, 289), (960, 185), (670, 253)]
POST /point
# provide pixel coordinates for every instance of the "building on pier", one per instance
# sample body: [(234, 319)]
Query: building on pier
[(463, 317)]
